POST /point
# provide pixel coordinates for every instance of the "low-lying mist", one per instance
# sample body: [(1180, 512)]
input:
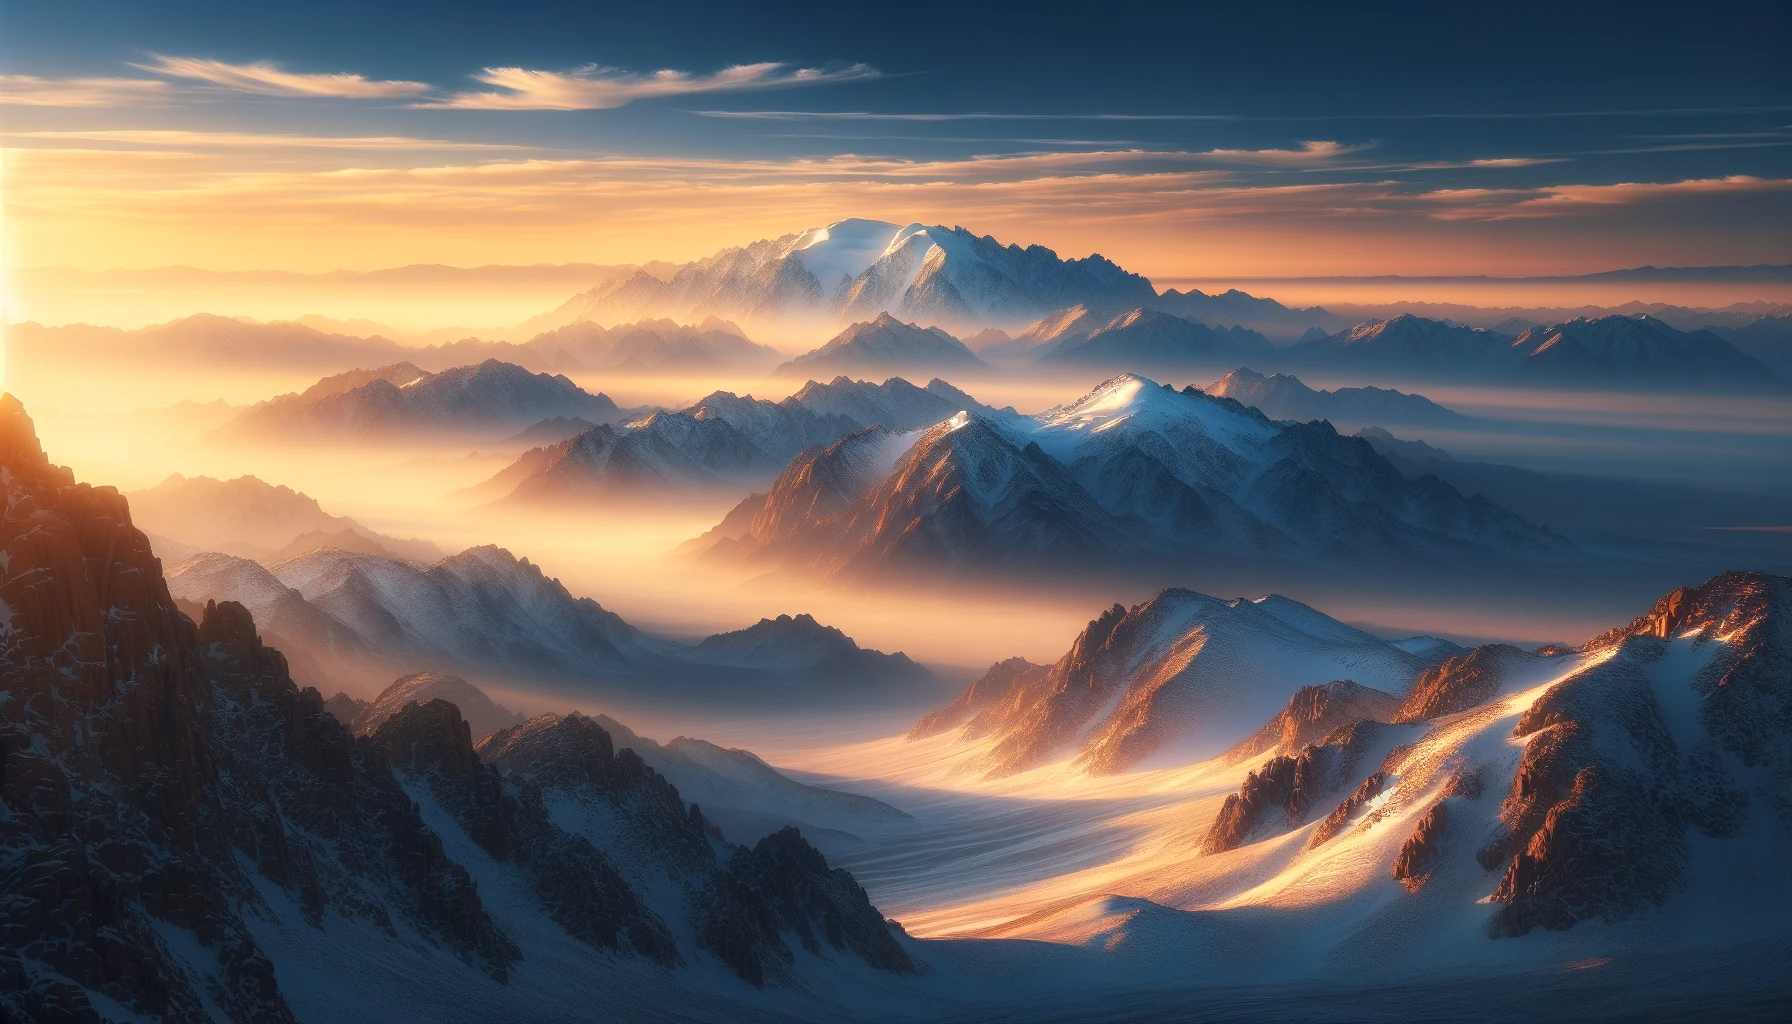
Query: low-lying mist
[(133, 435)]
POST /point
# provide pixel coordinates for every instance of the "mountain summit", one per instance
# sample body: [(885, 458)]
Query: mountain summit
[(854, 269), (884, 345)]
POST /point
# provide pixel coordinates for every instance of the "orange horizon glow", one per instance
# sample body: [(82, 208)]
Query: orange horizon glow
[(230, 208)]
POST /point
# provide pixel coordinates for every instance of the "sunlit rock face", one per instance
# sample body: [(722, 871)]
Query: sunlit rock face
[(1166, 680)]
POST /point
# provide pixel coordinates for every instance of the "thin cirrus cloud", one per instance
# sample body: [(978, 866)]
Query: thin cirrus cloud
[(32, 91), (603, 88), (255, 140), (1487, 204), (265, 78), (1308, 153), (151, 206)]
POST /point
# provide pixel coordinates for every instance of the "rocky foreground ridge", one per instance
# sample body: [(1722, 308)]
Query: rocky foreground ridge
[(179, 817)]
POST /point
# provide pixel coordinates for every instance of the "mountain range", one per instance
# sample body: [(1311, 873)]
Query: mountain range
[(192, 837), (363, 619), (207, 343), (1165, 679), (1464, 808), (856, 269), (1281, 396), (722, 443), (401, 401), (482, 715), (188, 835), (884, 344), (1579, 504), (1610, 351), (1143, 339), (1132, 472), (254, 519), (736, 789)]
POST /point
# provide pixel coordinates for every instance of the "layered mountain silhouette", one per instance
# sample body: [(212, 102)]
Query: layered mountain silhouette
[(1132, 471), (1610, 351), (723, 443), (737, 790), (1281, 396), (884, 345), (1147, 339), (363, 619), (855, 269), (208, 343), (482, 715), (191, 836), (255, 519), (403, 402), (659, 344)]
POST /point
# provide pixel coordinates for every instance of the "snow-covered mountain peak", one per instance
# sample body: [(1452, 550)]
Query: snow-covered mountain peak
[(838, 253), (1132, 402)]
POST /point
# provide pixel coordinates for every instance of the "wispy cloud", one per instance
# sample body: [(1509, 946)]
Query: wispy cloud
[(1569, 200), (1537, 115), (866, 115), (253, 140), (265, 78), (595, 87), (31, 91), (1308, 153), (1149, 210)]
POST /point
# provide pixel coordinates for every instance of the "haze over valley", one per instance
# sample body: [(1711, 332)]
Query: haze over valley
[(724, 515)]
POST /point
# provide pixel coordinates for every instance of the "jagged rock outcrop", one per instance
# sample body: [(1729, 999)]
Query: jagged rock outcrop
[(165, 784), (1420, 850), (1286, 788), (1314, 713), (1464, 681), (1004, 681), (143, 761), (483, 715), (319, 811), (433, 745), (740, 901), (1163, 674), (1619, 765)]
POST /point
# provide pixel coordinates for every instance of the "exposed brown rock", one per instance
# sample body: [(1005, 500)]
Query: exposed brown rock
[(1348, 810), (1420, 851), (1285, 789), (1315, 712), (1463, 682), (1003, 683)]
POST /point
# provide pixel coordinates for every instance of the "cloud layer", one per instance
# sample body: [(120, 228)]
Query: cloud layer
[(601, 88), (31, 91), (268, 79), (1154, 212)]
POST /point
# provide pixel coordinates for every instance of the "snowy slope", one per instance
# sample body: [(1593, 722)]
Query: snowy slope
[(481, 608), (856, 269), (1131, 470), (1176, 680)]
